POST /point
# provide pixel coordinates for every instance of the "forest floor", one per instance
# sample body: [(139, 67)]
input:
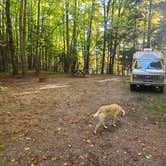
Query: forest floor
[(50, 123)]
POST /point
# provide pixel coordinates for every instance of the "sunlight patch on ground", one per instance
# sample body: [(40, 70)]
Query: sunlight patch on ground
[(3, 89), (52, 86), (108, 80), (26, 93)]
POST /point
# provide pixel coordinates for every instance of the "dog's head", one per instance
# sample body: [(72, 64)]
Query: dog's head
[(123, 112)]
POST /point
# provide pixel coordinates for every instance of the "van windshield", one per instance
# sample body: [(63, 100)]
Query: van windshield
[(148, 64)]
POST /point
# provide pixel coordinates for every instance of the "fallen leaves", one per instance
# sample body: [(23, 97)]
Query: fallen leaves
[(53, 158), (148, 156), (69, 145), (159, 155), (81, 157), (89, 142), (12, 163), (27, 148), (139, 154), (66, 127), (39, 158), (59, 129), (104, 157)]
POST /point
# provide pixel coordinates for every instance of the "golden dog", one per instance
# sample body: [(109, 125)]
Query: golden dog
[(112, 110)]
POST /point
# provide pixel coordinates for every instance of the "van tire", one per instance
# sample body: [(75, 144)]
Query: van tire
[(161, 89), (132, 87)]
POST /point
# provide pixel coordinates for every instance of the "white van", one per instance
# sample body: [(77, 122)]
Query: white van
[(147, 70)]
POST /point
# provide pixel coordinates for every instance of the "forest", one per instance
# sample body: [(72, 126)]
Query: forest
[(95, 36), (49, 115)]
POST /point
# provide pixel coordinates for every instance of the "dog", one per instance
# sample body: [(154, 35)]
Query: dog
[(112, 110)]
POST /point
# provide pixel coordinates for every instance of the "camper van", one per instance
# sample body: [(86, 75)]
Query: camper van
[(147, 70)]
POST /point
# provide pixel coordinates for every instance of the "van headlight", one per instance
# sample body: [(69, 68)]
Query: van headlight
[(135, 76), (161, 78)]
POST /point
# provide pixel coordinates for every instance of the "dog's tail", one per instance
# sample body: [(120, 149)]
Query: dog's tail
[(123, 112), (96, 114)]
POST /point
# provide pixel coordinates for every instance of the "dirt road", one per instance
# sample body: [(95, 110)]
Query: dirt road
[(51, 124)]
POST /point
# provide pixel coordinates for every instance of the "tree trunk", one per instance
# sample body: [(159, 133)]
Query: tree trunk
[(22, 23), (3, 48), (74, 40), (149, 25), (116, 38), (144, 33), (37, 59), (10, 38), (31, 44), (67, 55), (111, 39), (86, 67), (106, 12)]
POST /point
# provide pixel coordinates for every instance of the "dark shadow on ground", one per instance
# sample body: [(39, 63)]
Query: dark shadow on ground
[(148, 89)]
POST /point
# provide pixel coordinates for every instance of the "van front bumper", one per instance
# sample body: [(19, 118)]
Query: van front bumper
[(142, 83)]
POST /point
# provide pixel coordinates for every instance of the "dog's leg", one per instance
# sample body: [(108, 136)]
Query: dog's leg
[(97, 126), (115, 116), (101, 122), (104, 125)]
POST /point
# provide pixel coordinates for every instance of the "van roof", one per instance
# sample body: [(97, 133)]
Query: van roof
[(148, 55)]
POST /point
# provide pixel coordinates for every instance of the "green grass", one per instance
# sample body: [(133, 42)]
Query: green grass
[(2, 147), (155, 104)]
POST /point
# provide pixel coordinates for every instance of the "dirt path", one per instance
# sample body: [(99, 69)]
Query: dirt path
[(50, 124)]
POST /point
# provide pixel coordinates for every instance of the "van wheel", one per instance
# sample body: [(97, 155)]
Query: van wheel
[(161, 89), (132, 87)]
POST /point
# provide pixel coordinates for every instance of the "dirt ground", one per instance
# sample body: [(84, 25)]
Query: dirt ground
[(50, 123)]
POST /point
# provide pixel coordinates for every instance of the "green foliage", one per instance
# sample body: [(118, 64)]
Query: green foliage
[(155, 104), (128, 29)]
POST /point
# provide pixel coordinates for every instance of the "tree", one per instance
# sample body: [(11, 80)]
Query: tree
[(10, 38), (67, 55), (88, 42), (3, 43), (74, 38), (22, 27), (67, 35), (106, 12), (37, 58), (149, 25)]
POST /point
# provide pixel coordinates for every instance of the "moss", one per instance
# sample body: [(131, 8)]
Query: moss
[(2, 147)]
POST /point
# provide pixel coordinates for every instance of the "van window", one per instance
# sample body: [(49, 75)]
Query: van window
[(148, 64)]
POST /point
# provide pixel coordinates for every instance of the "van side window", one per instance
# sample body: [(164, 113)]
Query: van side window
[(137, 65)]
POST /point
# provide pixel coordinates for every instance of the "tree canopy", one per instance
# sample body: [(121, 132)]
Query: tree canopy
[(96, 36)]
